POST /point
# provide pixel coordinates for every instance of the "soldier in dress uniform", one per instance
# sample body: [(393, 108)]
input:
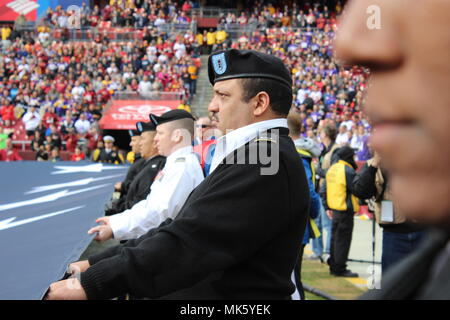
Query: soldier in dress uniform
[(108, 154), (171, 186), (150, 164), (238, 235), (136, 165)]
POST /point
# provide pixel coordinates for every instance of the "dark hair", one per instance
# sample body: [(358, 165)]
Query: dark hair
[(330, 131), (280, 94)]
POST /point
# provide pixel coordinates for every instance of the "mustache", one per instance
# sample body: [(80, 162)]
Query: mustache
[(213, 116)]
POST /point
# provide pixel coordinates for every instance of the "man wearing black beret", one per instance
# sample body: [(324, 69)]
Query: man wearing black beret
[(239, 233), (136, 161), (150, 163), (171, 186)]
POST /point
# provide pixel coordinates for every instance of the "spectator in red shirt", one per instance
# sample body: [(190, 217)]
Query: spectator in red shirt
[(7, 113), (93, 138), (320, 22), (78, 155), (9, 154), (186, 6), (71, 140), (103, 95), (50, 117)]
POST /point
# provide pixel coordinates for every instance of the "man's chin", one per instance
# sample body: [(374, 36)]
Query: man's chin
[(420, 200)]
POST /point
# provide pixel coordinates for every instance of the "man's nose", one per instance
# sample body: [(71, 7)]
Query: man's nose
[(213, 106), (368, 35)]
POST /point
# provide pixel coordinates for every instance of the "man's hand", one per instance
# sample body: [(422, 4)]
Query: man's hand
[(330, 214), (69, 289), (79, 266), (104, 231), (376, 160)]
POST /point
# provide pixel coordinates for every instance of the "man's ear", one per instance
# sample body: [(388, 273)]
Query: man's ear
[(261, 103), (175, 136)]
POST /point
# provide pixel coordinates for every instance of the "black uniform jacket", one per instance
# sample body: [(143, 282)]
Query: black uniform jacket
[(132, 172), (239, 228), (139, 188)]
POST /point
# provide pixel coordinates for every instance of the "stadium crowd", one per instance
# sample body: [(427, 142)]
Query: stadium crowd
[(69, 84), (61, 88), (324, 91), (280, 14), (137, 14)]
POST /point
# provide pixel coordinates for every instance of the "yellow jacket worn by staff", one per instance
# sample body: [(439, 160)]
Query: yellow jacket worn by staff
[(339, 179)]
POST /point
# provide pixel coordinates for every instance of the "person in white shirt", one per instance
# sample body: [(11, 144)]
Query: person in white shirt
[(342, 137), (31, 120), (78, 91), (348, 122), (159, 21), (82, 125), (180, 49), (145, 86), (316, 94), (301, 93), (172, 186), (357, 141)]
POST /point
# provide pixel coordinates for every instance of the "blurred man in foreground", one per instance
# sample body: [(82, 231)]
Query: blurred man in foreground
[(407, 50)]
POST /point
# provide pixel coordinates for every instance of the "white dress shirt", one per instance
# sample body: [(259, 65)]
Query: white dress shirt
[(237, 138), (342, 138), (82, 126), (31, 120), (168, 193)]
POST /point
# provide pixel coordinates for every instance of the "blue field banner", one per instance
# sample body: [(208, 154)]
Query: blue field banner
[(46, 210), (45, 4)]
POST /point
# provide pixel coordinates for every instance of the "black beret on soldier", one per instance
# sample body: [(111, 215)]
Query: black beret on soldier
[(232, 64)]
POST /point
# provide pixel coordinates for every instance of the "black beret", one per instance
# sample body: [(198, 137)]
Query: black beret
[(172, 115), (133, 133), (231, 64), (145, 126)]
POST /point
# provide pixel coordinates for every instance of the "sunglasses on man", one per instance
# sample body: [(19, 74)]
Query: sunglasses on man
[(203, 126)]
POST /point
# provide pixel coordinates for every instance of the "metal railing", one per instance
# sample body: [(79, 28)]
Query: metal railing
[(91, 34), (153, 95), (178, 27), (234, 30), (111, 33), (212, 12), (23, 143), (115, 34), (26, 26)]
